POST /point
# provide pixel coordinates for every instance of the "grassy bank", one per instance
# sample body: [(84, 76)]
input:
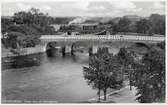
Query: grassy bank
[(24, 51)]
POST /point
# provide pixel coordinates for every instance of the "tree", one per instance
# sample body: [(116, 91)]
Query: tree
[(158, 23), (150, 81), (103, 71), (123, 25), (126, 59), (144, 26), (15, 39), (28, 28), (33, 16), (5, 24), (161, 45), (114, 28), (132, 27), (110, 22)]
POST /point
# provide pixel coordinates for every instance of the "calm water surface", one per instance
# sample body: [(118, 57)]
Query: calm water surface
[(50, 79)]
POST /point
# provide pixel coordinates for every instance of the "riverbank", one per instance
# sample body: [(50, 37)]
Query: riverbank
[(124, 95), (24, 51)]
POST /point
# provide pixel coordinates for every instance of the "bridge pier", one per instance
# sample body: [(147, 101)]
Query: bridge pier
[(72, 49), (63, 51), (90, 51), (95, 49)]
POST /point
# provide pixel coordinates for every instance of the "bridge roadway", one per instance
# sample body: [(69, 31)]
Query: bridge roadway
[(102, 38), (70, 40)]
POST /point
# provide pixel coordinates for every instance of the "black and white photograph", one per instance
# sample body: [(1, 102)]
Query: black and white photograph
[(83, 51)]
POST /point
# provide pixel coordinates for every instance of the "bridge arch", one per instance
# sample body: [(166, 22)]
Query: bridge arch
[(140, 44), (50, 45), (53, 47), (50, 48)]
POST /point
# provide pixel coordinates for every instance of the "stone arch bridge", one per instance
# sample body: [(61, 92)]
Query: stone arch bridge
[(89, 41)]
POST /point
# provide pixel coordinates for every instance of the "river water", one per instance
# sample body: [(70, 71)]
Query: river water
[(41, 78)]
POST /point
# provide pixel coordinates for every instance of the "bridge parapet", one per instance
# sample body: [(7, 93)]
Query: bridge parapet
[(102, 37)]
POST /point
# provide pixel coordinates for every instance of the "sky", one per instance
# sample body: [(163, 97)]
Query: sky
[(91, 8)]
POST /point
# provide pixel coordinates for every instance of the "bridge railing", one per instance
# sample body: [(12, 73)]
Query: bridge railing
[(102, 37)]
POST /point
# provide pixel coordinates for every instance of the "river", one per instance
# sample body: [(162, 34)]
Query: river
[(38, 78)]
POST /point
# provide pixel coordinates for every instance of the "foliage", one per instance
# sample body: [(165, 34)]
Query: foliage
[(125, 57), (62, 20), (13, 39), (150, 77), (161, 45), (27, 26), (103, 71), (27, 30), (33, 16), (123, 25), (5, 23), (158, 23), (18, 40), (154, 24), (144, 26), (110, 22)]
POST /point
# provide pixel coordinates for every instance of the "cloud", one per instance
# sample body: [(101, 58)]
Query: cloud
[(125, 5), (158, 5), (137, 10), (98, 8), (112, 8), (81, 4), (45, 7), (23, 7), (26, 7), (89, 7)]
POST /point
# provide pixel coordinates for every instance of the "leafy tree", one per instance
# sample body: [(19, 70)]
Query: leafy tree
[(103, 71), (150, 77), (158, 23), (5, 24), (17, 40), (33, 16), (14, 39), (115, 28), (28, 27), (161, 45), (132, 27), (123, 25), (62, 20), (144, 26), (110, 22), (124, 59), (27, 30)]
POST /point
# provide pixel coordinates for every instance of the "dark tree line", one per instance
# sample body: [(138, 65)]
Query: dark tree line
[(147, 74), (28, 26), (103, 71), (155, 24), (24, 28), (158, 23)]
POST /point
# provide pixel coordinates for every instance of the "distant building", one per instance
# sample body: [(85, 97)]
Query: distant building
[(85, 28), (56, 26), (133, 18), (89, 26)]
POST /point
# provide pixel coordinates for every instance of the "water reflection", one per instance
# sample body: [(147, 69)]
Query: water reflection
[(21, 61), (38, 77)]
